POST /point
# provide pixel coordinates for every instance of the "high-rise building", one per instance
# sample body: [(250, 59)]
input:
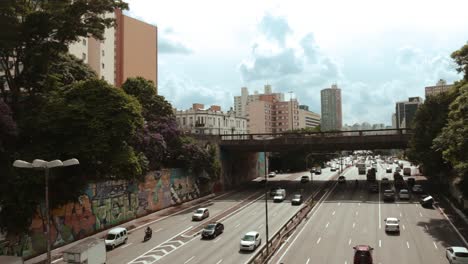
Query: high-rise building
[(440, 87), (241, 102), (211, 121), (308, 119), (405, 112), (128, 50), (331, 108)]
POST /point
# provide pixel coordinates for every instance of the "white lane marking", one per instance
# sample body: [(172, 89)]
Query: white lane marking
[(237, 226), (407, 244), (435, 245), (400, 215), (349, 241), (307, 262), (328, 192), (403, 227), (333, 213), (217, 239), (380, 243), (126, 245), (420, 214), (398, 205), (357, 212), (318, 240), (158, 230), (188, 260), (427, 228), (339, 204), (359, 204), (221, 260), (57, 260), (170, 239), (354, 224), (260, 226), (326, 226), (415, 204), (453, 226), (346, 262)]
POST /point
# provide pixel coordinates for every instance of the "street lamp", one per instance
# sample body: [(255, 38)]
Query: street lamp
[(39, 164)]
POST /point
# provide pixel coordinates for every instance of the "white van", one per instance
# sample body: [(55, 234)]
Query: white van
[(115, 237)]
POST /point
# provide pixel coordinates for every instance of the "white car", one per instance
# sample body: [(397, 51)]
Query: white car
[(404, 194), (392, 224), (115, 237), (457, 255), (200, 214), (271, 174), (250, 241)]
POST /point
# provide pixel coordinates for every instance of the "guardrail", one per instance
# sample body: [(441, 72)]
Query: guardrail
[(275, 242)]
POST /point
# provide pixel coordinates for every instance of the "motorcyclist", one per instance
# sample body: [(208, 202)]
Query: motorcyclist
[(148, 231)]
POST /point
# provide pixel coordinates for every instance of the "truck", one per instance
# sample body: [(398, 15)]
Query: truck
[(371, 174), (280, 195), (398, 180), (91, 250), (361, 168)]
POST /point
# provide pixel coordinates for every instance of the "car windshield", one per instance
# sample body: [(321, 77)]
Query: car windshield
[(403, 191), (392, 221), (389, 191), (363, 253), (297, 196), (248, 238), (199, 211), (110, 237), (461, 254), (210, 227)]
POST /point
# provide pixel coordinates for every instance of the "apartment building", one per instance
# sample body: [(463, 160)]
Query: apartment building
[(331, 108), (440, 87), (306, 118), (128, 50), (405, 111), (241, 102)]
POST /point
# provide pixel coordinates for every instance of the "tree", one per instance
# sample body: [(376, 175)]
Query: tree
[(7, 125), (34, 33), (66, 70), (461, 58), (453, 141), (428, 122)]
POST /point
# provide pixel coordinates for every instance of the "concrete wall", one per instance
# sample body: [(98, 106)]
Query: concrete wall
[(104, 205), (239, 167)]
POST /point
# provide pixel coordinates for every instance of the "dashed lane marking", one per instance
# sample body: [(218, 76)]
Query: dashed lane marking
[(326, 226), (349, 241), (380, 243), (407, 244), (435, 245), (318, 240), (221, 260), (333, 213), (188, 260)]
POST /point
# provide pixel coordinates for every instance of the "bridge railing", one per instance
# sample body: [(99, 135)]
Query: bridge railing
[(270, 136)]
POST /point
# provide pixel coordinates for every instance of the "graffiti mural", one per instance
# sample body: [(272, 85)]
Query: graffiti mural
[(104, 205)]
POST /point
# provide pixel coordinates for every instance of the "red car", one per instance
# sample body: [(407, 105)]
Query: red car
[(363, 254)]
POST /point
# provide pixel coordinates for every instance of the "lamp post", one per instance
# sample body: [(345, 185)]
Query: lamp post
[(266, 190), (39, 164)]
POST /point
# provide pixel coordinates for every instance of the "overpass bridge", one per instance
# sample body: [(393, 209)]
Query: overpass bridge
[(317, 141)]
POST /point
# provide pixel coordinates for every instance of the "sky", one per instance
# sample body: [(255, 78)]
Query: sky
[(378, 52)]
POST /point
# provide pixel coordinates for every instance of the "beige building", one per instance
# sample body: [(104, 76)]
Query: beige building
[(307, 119), (211, 121), (128, 50), (331, 109), (440, 87), (241, 102)]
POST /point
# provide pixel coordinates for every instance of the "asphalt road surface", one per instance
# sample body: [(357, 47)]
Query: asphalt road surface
[(351, 215)]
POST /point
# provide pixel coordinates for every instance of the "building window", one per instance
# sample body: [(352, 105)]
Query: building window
[(103, 65), (84, 42)]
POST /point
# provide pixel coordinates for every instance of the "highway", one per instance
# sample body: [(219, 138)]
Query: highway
[(225, 248), (351, 215), (176, 239)]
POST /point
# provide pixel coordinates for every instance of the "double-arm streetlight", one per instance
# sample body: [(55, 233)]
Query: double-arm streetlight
[(39, 164)]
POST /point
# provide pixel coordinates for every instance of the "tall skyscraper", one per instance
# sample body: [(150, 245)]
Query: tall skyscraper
[(331, 108), (405, 112)]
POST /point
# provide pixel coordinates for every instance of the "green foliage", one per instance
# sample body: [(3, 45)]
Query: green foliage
[(67, 69), (429, 120), (154, 106), (35, 33), (453, 141), (461, 58)]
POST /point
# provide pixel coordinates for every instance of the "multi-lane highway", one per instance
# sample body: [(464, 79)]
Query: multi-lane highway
[(176, 239), (351, 216)]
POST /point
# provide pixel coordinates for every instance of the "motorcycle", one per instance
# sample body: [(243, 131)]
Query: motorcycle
[(148, 236)]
